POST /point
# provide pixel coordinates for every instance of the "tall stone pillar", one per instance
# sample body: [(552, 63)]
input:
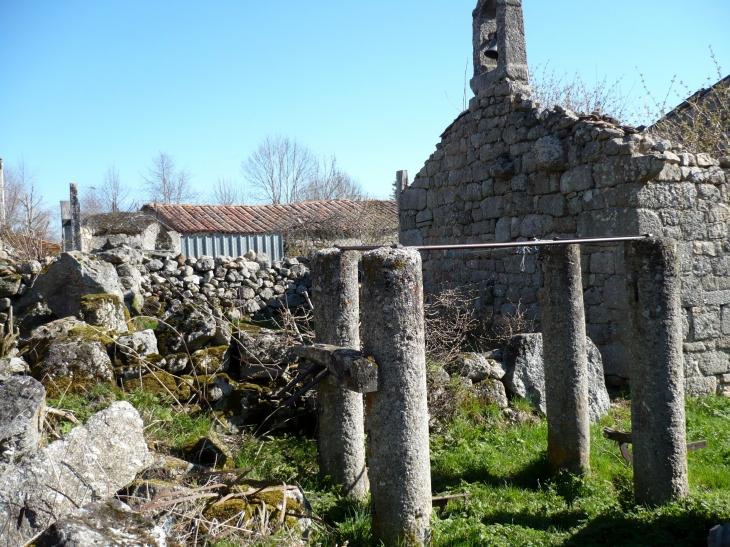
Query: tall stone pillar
[(75, 217), (397, 414), (657, 375), (565, 360), (341, 432)]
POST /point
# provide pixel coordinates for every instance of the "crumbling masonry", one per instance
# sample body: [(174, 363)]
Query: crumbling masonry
[(507, 169)]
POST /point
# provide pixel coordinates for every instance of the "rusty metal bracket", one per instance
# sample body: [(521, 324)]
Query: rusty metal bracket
[(300, 377), (306, 388), (623, 438)]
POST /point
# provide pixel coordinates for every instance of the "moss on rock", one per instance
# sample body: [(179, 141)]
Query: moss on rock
[(211, 360), (90, 333), (159, 383), (228, 510)]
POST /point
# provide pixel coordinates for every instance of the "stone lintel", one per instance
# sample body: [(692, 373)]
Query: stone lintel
[(350, 367)]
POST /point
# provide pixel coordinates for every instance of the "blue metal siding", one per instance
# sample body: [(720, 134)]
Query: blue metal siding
[(232, 245)]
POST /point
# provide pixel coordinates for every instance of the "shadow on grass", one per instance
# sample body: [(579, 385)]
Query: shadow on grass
[(563, 520), (687, 529), (611, 530), (529, 477)]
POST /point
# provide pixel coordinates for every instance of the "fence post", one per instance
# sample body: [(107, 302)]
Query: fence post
[(565, 360), (341, 437), (397, 414), (657, 377)]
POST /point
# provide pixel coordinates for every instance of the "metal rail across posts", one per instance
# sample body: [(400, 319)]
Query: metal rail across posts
[(532, 243)]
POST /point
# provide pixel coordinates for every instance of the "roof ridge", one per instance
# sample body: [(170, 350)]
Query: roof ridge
[(265, 218)]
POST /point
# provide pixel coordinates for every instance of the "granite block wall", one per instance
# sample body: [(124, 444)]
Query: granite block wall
[(509, 170)]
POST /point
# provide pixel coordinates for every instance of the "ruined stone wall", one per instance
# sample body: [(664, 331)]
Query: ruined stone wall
[(507, 170)]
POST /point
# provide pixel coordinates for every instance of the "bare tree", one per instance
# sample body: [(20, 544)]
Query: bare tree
[(109, 197), (27, 219), (279, 170), (115, 193), (330, 182), (227, 192), (91, 201), (166, 183)]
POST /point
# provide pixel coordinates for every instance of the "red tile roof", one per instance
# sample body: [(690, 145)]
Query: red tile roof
[(270, 219)]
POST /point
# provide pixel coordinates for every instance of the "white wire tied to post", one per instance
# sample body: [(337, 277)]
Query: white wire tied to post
[(524, 251)]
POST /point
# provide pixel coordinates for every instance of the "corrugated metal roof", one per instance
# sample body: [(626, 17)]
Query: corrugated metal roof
[(268, 219)]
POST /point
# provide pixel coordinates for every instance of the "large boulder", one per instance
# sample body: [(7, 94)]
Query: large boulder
[(525, 375), (599, 403), (75, 362), (108, 523), (73, 276), (90, 463), (22, 409), (104, 310)]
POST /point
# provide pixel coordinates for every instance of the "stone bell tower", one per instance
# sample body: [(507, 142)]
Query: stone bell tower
[(499, 43)]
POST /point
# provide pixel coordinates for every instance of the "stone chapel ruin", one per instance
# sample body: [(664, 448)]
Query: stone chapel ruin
[(507, 169)]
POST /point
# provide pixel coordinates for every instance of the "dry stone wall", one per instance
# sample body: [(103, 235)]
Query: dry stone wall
[(508, 170)]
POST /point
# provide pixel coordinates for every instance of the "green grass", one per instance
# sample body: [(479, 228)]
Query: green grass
[(513, 500), (165, 427)]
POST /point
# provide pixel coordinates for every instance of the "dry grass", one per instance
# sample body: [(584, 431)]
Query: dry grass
[(603, 97)]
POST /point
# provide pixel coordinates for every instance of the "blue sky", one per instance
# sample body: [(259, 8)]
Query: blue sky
[(87, 84)]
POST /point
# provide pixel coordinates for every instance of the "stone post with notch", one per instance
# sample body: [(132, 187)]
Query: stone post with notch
[(565, 360), (75, 217), (341, 431), (657, 375), (397, 413)]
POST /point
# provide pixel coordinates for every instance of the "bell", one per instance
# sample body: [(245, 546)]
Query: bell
[(492, 52)]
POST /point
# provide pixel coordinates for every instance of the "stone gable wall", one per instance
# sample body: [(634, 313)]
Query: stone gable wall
[(507, 170)]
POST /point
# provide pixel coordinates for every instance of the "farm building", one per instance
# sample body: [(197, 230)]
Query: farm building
[(138, 230), (286, 229)]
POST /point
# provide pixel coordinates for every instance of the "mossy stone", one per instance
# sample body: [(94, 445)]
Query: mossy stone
[(155, 384), (92, 334)]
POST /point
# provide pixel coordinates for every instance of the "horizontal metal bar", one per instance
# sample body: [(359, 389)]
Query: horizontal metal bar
[(533, 243)]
